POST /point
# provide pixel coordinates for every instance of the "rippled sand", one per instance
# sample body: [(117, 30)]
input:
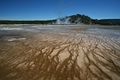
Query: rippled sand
[(62, 54)]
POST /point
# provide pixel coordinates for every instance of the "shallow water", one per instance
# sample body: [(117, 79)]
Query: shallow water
[(20, 30)]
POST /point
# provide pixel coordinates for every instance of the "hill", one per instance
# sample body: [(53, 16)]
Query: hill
[(74, 19)]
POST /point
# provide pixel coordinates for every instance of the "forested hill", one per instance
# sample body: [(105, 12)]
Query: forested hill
[(74, 19), (83, 19), (107, 21)]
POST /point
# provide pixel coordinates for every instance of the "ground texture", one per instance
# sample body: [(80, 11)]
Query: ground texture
[(70, 55)]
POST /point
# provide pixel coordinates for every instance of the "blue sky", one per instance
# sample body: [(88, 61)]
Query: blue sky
[(51, 9)]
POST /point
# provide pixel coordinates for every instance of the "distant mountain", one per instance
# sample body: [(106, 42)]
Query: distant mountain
[(83, 19), (73, 19)]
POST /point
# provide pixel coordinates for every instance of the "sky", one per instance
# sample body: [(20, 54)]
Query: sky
[(52, 9)]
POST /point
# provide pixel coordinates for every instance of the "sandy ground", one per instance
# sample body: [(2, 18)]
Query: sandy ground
[(62, 53)]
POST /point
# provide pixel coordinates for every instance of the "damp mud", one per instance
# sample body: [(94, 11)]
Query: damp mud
[(59, 52)]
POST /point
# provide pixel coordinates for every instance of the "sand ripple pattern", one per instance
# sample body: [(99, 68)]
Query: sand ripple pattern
[(62, 57)]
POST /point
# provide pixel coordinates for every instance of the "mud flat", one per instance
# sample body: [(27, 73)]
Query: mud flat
[(60, 53)]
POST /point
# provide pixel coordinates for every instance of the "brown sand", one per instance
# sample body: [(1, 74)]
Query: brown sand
[(66, 56)]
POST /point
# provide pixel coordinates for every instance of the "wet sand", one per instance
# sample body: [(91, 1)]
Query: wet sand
[(59, 52)]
